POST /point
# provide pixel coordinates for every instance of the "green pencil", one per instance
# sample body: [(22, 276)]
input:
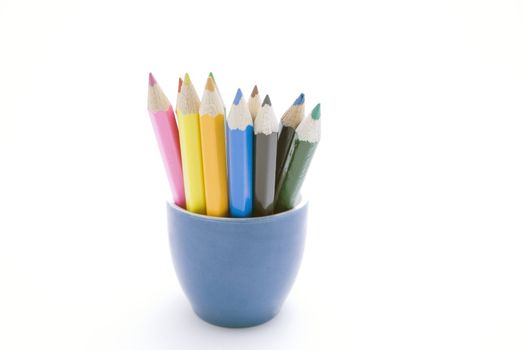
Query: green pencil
[(298, 161)]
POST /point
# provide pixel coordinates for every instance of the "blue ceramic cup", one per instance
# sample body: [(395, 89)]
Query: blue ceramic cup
[(237, 272)]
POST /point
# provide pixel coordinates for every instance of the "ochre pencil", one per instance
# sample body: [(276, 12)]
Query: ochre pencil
[(212, 130), (254, 103)]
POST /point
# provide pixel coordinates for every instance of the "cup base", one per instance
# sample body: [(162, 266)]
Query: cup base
[(235, 323)]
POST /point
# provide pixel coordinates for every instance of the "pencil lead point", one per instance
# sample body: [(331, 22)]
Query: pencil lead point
[(212, 76), (238, 97), (210, 84), (266, 101), (180, 83), (152, 81), (187, 79), (316, 112), (254, 91), (300, 100)]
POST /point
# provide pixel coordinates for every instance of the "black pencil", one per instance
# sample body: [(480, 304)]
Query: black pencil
[(289, 122)]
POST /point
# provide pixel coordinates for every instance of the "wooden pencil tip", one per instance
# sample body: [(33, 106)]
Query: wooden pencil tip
[(238, 97), (210, 84), (180, 83), (152, 81), (212, 76), (316, 112), (187, 79), (254, 91), (300, 100), (266, 101)]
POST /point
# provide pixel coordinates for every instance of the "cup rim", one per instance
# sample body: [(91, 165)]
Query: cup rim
[(301, 204)]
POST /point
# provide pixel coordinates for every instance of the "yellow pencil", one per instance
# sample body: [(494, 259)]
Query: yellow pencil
[(187, 106), (212, 132)]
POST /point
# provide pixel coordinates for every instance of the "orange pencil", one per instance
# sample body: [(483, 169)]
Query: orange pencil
[(213, 151)]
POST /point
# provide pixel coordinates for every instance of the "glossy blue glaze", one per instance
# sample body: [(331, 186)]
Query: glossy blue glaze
[(237, 272), (239, 165)]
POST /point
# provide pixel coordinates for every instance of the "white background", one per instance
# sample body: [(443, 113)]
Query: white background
[(415, 234)]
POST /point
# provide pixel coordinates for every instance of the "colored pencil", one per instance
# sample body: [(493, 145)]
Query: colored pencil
[(265, 145), (212, 130), (289, 122), (254, 103), (239, 157), (298, 160), (167, 137), (187, 109)]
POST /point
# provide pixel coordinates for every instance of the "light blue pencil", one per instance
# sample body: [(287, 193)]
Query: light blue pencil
[(239, 157)]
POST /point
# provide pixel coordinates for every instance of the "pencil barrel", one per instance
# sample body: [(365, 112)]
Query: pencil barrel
[(264, 173), (285, 139), (214, 165), (239, 164), (167, 137), (293, 174), (192, 162)]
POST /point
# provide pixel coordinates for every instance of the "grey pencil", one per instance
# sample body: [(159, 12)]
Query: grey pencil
[(265, 148)]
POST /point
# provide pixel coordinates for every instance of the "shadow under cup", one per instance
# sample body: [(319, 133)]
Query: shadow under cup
[(237, 272)]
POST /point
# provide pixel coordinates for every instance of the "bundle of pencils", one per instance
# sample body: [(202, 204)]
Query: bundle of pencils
[(242, 164)]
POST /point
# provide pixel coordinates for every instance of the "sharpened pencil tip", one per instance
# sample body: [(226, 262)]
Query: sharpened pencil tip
[(210, 84), (212, 76), (238, 97), (187, 79), (180, 83), (300, 100), (266, 101), (254, 91), (152, 81), (316, 112)]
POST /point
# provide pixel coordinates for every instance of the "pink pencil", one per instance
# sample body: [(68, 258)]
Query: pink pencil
[(166, 130)]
